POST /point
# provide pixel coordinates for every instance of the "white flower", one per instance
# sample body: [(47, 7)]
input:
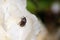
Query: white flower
[(14, 11)]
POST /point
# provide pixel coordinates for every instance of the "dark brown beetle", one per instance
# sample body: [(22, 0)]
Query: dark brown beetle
[(23, 22)]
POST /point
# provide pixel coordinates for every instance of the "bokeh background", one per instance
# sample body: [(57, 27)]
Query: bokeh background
[(48, 11)]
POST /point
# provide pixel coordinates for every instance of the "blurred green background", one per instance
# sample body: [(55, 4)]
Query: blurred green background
[(38, 5)]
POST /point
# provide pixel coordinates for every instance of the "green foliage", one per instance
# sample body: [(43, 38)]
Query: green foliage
[(31, 7), (38, 5)]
